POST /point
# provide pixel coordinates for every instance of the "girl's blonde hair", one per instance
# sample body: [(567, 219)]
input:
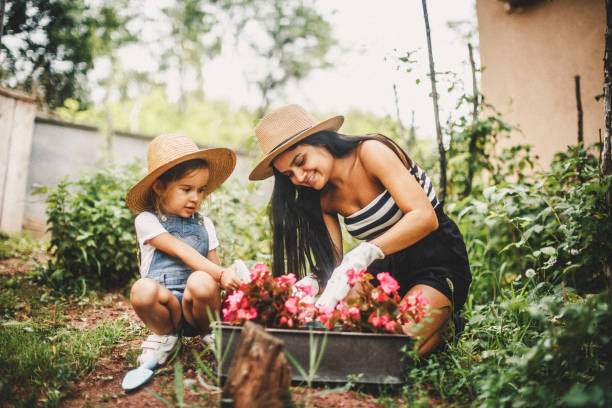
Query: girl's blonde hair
[(173, 174)]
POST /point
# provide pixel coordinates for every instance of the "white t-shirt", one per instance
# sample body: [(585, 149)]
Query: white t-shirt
[(148, 227)]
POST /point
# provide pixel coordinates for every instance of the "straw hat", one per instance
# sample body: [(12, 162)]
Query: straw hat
[(281, 129), (167, 151)]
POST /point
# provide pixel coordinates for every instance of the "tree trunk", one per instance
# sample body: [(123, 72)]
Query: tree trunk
[(606, 158), (2, 8), (434, 95), (259, 375)]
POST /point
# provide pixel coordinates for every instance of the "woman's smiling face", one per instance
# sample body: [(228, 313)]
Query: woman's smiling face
[(306, 165)]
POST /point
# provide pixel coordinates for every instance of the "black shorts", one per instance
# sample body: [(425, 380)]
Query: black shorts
[(433, 261)]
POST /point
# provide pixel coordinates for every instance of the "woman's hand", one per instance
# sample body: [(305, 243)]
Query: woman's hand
[(229, 279), (357, 259)]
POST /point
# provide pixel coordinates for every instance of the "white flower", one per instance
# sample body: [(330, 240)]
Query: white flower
[(574, 251), (530, 273)]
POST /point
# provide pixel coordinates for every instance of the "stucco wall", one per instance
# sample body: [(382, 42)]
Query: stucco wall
[(531, 57), (61, 149)]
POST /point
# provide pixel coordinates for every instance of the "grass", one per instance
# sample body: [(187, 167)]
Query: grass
[(40, 361)]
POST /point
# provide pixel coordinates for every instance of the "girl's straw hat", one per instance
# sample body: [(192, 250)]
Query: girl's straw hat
[(165, 152), (281, 129)]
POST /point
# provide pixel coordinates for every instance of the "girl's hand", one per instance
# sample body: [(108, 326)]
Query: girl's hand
[(229, 278)]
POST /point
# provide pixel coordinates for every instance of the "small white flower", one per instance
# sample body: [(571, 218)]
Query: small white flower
[(530, 273), (574, 251)]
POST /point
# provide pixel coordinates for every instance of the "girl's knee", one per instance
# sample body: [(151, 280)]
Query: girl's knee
[(201, 286), (145, 292)]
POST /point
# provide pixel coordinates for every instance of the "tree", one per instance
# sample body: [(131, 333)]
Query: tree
[(49, 47), (190, 40), (290, 40)]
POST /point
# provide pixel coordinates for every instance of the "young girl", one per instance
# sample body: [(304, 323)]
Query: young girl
[(384, 198), (180, 270)]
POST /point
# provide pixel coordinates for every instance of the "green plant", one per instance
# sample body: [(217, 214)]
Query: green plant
[(39, 362), (92, 234), (18, 245), (243, 229), (315, 354)]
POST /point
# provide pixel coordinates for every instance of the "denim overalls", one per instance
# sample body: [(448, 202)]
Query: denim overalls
[(170, 271)]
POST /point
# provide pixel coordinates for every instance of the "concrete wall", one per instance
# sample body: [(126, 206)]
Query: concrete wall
[(17, 112), (61, 149), (531, 57)]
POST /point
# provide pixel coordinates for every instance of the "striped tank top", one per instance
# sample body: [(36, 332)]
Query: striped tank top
[(382, 212)]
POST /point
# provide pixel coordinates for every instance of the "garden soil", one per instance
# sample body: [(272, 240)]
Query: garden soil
[(102, 386)]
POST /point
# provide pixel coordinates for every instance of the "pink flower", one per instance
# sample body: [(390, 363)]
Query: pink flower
[(387, 283), (354, 277), (285, 280), (325, 313), (306, 314), (353, 311), (246, 314), (259, 269), (251, 313), (291, 305), (375, 320), (378, 295), (307, 290), (234, 299), (390, 326)]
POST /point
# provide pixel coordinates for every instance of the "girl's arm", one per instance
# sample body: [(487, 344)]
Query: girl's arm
[(173, 246), (419, 218)]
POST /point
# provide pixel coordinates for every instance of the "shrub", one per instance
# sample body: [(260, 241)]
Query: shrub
[(92, 230)]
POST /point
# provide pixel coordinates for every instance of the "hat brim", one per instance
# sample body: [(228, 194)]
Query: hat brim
[(263, 170), (221, 163)]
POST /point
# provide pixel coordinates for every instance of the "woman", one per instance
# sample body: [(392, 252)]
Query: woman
[(386, 200)]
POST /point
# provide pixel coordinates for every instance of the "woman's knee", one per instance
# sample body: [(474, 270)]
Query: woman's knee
[(201, 287)]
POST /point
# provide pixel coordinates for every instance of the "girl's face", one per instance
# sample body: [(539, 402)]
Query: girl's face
[(184, 196), (306, 165)]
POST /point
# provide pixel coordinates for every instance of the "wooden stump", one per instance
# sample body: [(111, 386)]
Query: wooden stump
[(259, 375)]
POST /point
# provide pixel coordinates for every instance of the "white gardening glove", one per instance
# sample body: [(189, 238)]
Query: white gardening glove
[(305, 281), (358, 259), (242, 271)]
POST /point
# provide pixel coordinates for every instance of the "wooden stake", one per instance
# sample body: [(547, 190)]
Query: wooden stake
[(259, 375), (579, 108), (434, 95), (606, 154)]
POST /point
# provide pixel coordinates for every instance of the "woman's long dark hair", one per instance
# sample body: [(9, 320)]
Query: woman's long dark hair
[(300, 237)]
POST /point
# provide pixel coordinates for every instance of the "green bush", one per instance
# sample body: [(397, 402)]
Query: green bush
[(243, 230), (92, 231), (93, 241)]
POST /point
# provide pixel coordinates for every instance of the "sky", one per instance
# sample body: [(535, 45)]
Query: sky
[(372, 35)]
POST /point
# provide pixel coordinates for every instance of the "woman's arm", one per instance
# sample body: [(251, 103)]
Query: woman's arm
[(419, 219), (333, 228)]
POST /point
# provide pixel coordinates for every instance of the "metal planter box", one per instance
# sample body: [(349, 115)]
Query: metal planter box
[(374, 358)]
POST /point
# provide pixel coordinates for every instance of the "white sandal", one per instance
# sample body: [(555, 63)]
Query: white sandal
[(158, 347)]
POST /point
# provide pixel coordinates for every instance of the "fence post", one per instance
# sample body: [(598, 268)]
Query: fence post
[(17, 112)]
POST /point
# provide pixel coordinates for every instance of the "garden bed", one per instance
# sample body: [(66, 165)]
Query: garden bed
[(365, 357)]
